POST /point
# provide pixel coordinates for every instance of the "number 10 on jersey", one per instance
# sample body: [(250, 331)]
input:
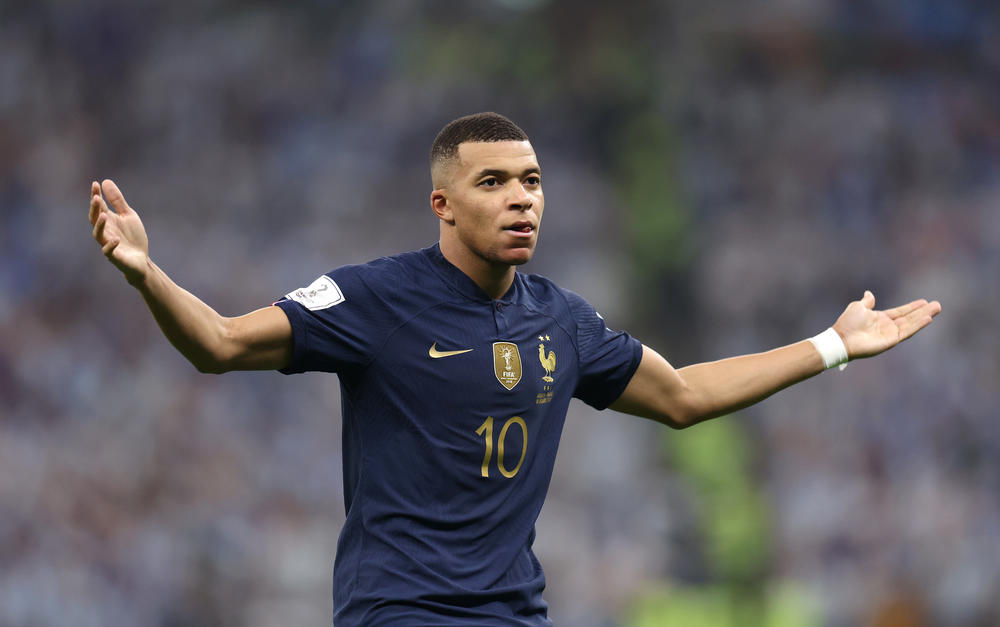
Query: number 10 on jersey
[(486, 430)]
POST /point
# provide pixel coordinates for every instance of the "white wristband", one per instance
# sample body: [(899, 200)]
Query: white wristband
[(831, 348)]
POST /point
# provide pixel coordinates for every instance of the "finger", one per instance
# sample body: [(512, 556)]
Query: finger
[(868, 300), (110, 247), (115, 197), (902, 310), (102, 220), (911, 326), (917, 319), (97, 204)]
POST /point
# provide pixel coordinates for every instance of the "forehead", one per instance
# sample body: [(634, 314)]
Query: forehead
[(515, 156)]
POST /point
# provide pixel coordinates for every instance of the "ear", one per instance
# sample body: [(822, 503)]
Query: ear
[(440, 206)]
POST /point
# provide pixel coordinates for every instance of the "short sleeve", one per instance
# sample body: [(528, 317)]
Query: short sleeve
[(337, 321), (608, 359)]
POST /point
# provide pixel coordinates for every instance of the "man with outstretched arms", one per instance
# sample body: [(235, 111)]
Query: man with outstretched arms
[(456, 372)]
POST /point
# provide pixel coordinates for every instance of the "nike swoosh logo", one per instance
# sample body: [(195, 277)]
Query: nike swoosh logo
[(436, 354)]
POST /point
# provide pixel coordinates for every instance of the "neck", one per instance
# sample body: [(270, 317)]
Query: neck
[(493, 278)]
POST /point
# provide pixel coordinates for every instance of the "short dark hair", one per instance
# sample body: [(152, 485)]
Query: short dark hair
[(478, 127)]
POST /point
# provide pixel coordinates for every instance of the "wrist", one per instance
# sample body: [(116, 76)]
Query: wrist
[(139, 278), (831, 348)]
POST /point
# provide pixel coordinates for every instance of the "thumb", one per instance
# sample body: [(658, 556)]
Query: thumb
[(114, 197), (868, 300)]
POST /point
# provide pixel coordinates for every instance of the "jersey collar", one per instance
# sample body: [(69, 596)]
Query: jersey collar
[(461, 283)]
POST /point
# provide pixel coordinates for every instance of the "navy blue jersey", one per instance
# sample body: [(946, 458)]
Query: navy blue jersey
[(453, 404)]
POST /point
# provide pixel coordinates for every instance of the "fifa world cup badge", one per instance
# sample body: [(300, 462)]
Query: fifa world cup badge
[(506, 364)]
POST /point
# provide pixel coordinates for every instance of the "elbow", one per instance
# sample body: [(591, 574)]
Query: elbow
[(211, 359), (672, 417), (685, 411), (216, 356), (210, 366), (678, 420), (675, 423)]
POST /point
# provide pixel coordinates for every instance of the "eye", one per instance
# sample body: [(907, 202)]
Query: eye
[(534, 179), (489, 182)]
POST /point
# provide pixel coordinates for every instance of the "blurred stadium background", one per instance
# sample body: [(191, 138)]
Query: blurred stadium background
[(721, 177)]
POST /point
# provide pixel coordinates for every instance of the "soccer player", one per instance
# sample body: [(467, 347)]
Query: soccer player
[(456, 372)]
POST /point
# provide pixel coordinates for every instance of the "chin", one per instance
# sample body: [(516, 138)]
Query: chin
[(518, 256)]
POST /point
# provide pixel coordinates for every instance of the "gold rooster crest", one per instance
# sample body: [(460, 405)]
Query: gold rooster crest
[(549, 362)]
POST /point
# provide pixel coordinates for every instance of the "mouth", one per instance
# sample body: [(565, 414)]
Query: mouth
[(521, 229)]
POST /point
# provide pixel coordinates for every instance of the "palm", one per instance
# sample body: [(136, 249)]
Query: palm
[(133, 247), (120, 232), (867, 332)]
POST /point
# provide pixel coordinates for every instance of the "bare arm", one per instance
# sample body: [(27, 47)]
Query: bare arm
[(695, 393), (260, 340)]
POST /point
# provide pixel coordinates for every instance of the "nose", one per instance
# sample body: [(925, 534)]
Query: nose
[(519, 198)]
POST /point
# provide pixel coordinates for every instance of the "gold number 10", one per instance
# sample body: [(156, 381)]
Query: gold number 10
[(486, 430)]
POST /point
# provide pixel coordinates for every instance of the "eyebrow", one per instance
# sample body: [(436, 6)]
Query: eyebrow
[(504, 173)]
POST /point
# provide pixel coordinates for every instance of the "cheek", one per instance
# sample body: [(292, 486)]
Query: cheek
[(476, 218), (473, 227), (538, 203), (467, 220)]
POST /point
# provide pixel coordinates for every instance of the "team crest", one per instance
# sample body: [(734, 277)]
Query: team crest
[(548, 362), (506, 364)]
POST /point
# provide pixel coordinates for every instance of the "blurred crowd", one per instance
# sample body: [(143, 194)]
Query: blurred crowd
[(721, 177)]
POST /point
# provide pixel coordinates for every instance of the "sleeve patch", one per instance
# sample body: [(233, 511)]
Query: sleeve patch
[(322, 293)]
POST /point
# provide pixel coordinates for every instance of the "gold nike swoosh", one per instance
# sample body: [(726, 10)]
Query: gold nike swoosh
[(436, 354)]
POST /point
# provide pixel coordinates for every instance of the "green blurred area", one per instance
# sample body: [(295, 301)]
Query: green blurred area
[(716, 459), (658, 220), (780, 605)]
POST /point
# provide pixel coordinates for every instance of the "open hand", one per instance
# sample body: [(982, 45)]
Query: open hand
[(120, 232), (868, 332)]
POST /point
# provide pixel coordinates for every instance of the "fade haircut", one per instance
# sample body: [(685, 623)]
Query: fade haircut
[(478, 127)]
